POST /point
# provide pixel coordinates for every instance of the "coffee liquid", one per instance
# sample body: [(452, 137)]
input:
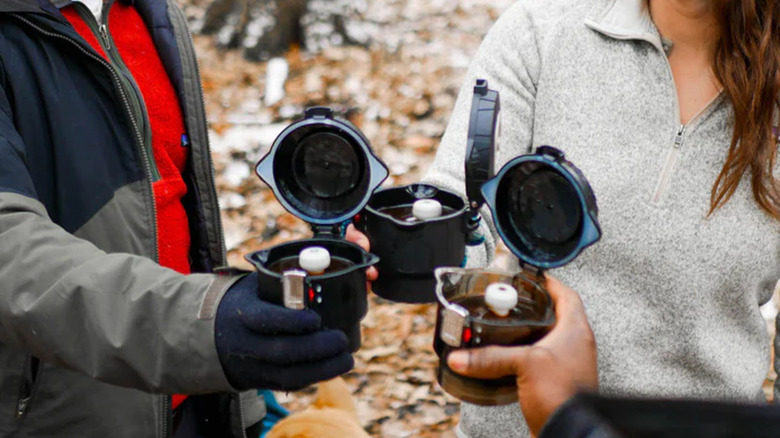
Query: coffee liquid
[(403, 213), (291, 263), (477, 308), (490, 392)]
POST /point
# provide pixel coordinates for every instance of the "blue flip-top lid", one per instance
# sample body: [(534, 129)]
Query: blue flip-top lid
[(543, 208), (322, 168)]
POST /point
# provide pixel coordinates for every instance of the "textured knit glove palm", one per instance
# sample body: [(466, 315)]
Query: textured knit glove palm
[(263, 345)]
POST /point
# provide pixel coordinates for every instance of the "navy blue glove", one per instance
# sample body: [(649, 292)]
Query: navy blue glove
[(262, 345)]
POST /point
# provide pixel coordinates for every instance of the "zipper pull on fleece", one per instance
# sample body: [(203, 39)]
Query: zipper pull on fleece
[(678, 140), (664, 180)]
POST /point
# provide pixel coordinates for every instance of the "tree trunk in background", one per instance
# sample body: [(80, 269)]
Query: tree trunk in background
[(268, 28)]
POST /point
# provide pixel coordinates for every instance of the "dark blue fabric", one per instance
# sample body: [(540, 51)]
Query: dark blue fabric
[(66, 139), (14, 176), (18, 6), (155, 15), (24, 5), (72, 139), (78, 145), (262, 345)]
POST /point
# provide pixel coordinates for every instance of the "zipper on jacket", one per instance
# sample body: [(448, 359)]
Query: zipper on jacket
[(104, 35), (29, 378), (166, 408), (125, 101), (187, 49), (242, 414), (136, 100)]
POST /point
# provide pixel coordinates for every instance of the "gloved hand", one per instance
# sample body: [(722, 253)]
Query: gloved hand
[(263, 345)]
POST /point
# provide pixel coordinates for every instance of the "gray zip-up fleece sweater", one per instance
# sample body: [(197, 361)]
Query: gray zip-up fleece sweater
[(672, 294)]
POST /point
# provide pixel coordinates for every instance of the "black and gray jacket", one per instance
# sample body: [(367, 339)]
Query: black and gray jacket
[(93, 332)]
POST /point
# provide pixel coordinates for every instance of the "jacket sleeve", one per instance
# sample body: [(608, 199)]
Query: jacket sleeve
[(118, 318), (577, 419), (591, 416), (509, 59)]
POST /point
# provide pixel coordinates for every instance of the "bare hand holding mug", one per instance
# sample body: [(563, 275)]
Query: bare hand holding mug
[(548, 372)]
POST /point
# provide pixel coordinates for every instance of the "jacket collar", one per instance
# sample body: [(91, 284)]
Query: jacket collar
[(627, 20)]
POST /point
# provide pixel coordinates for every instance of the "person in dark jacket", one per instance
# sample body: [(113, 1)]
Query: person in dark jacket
[(114, 288)]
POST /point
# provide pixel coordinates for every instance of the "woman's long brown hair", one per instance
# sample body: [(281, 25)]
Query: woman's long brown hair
[(747, 64)]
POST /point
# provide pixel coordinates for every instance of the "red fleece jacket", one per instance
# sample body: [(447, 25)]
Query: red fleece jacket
[(136, 47)]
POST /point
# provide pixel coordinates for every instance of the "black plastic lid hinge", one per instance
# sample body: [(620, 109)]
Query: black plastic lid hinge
[(552, 152), (331, 230), (319, 112), (474, 235), (481, 87), (532, 270)]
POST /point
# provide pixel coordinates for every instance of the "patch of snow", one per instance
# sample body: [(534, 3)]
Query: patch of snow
[(313, 82), (196, 25), (275, 78), (231, 200), (236, 172), (264, 117), (215, 142), (361, 32), (235, 235), (237, 229), (290, 111), (353, 85), (225, 34), (398, 162), (255, 30), (459, 59), (336, 39), (251, 105), (254, 141)]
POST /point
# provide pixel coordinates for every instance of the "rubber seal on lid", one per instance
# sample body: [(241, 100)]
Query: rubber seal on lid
[(322, 168), (543, 208)]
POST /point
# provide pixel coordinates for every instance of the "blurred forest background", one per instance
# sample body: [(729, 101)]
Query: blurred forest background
[(392, 67)]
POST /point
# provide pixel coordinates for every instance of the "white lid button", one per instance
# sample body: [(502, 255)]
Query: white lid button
[(314, 259), (425, 209), (501, 298)]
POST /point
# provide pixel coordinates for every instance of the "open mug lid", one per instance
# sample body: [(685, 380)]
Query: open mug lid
[(483, 137), (543, 208), (322, 168)]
